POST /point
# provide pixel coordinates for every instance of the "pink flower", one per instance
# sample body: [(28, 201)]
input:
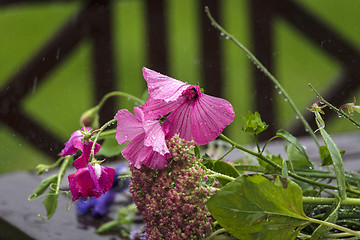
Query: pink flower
[(147, 138), (77, 142), (193, 114), (91, 181)]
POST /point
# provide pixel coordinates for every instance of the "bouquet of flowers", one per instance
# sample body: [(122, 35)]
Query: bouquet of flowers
[(183, 193)]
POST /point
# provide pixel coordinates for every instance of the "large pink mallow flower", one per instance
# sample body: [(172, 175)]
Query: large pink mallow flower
[(148, 145), (193, 114), (91, 181), (77, 142)]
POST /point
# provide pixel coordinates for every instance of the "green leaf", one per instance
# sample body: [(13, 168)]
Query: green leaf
[(253, 123), (321, 230), (293, 140), (110, 147), (45, 183), (297, 159), (258, 206), (50, 203), (108, 226), (337, 162), (325, 155), (226, 169)]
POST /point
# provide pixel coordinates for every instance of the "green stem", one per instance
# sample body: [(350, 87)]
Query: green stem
[(92, 155), (332, 225), (277, 166), (340, 113), (136, 100), (230, 150), (266, 72), (107, 133), (329, 201), (217, 232)]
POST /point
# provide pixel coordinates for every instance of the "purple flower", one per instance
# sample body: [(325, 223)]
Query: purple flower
[(100, 206), (77, 142), (193, 114), (91, 181), (147, 138)]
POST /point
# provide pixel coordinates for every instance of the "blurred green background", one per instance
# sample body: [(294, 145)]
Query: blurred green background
[(60, 100)]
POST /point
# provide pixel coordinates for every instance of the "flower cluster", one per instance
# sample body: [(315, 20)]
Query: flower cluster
[(185, 111), (172, 200), (89, 179)]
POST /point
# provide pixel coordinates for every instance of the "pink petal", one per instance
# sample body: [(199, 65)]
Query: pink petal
[(157, 108), (81, 161), (156, 161), (138, 154), (179, 122), (128, 126), (209, 117), (155, 137), (163, 87)]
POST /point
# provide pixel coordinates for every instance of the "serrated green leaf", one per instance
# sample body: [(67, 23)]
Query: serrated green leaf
[(253, 123), (45, 183), (258, 206)]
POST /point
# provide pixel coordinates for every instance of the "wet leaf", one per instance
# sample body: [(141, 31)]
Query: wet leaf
[(50, 202), (253, 123), (297, 159), (337, 162), (294, 142), (259, 207), (45, 183)]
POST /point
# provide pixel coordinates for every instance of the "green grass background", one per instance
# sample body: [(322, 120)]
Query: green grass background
[(58, 103)]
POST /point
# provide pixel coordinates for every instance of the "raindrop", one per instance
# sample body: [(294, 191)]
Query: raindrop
[(279, 92), (306, 130), (222, 34), (285, 99), (227, 37), (57, 53), (43, 59), (276, 87), (35, 84), (20, 145), (126, 136), (297, 117)]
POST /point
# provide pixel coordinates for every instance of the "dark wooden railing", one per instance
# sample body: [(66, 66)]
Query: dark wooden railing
[(94, 22)]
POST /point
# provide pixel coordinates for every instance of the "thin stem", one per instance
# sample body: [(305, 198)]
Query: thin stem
[(92, 155), (277, 166), (340, 113), (232, 148), (217, 232), (332, 225), (265, 71), (257, 143), (122, 94), (329, 201)]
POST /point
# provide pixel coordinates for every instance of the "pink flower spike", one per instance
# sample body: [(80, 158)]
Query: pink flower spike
[(91, 181), (192, 114), (77, 142), (147, 138)]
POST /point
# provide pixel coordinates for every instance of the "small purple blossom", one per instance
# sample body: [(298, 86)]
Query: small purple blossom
[(91, 181), (192, 114), (148, 146), (77, 142)]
